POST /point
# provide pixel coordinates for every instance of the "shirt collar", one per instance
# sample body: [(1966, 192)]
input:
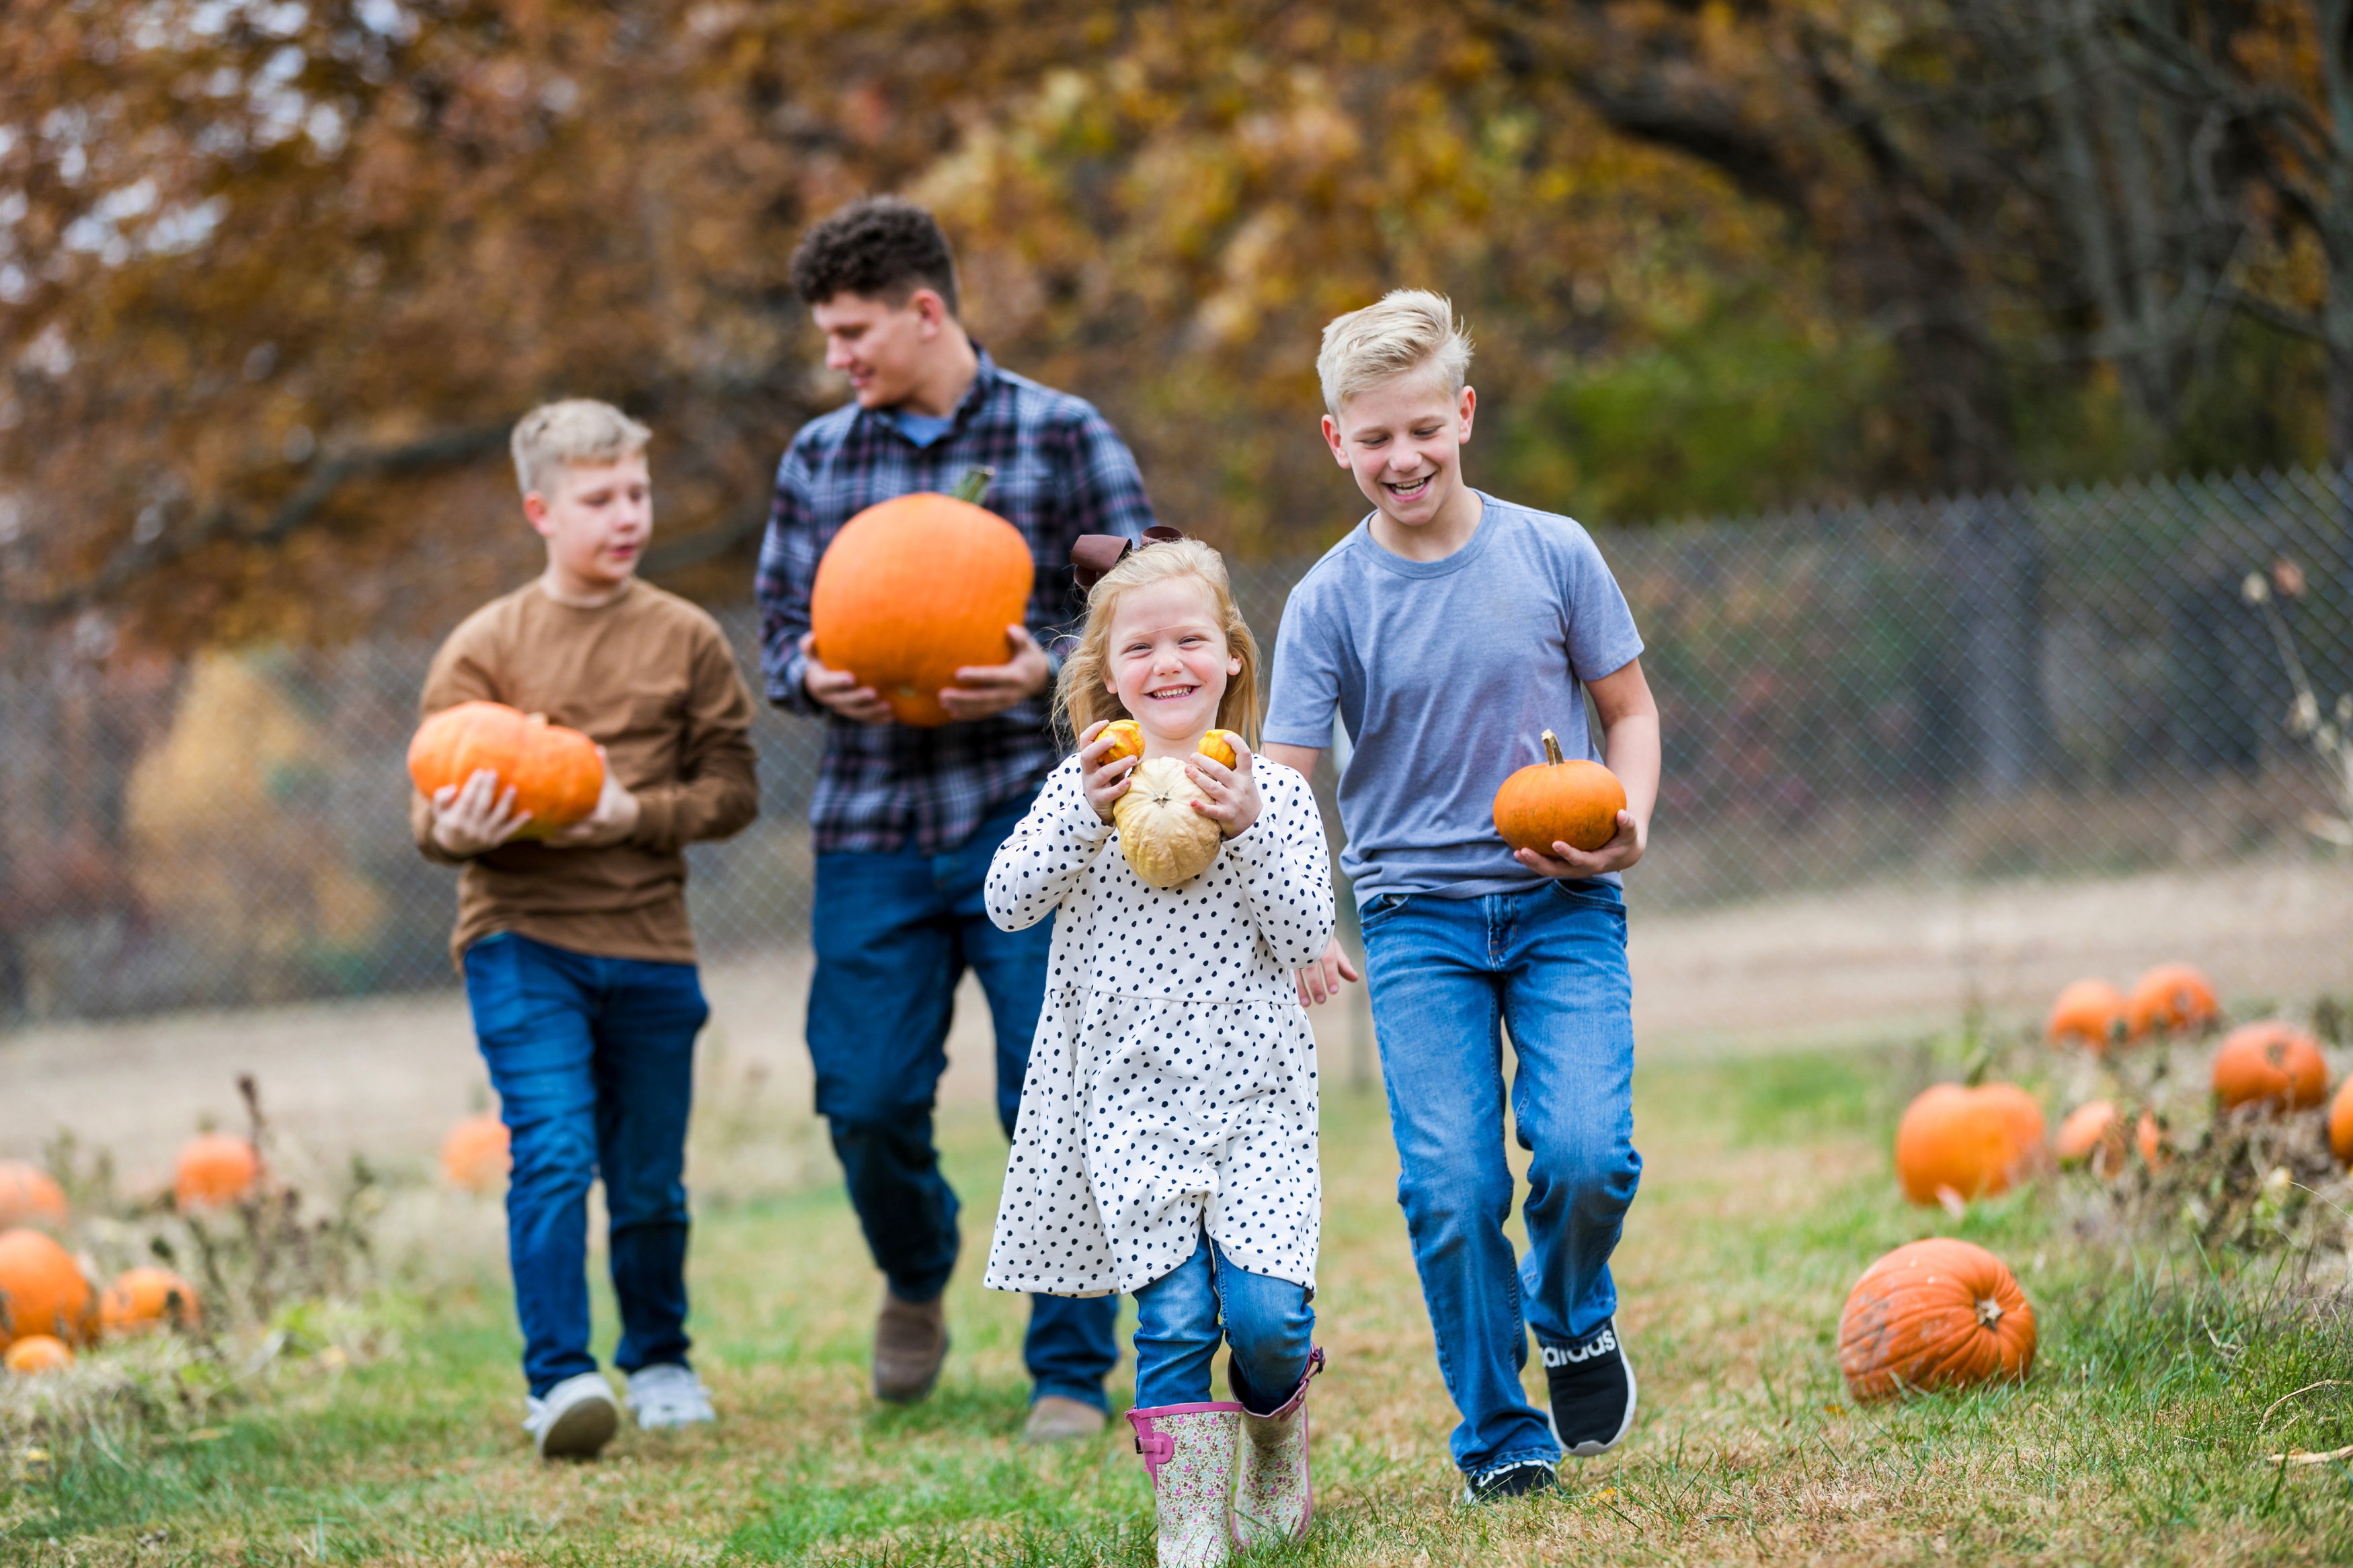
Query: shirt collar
[(984, 383)]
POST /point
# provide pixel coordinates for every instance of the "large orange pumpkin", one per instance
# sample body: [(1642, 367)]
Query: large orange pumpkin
[(2270, 1063), (2090, 1011), (37, 1353), (41, 1291), (2093, 1132), (215, 1171), (911, 589), (2340, 1123), (29, 1195), (1558, 801), (555, 773), (476, 1155), (1934, 1314), (2170, 998), (144, 1299), (1973, 1141)]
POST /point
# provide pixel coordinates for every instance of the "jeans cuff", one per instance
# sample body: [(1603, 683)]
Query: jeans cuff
[(1084, 1393)]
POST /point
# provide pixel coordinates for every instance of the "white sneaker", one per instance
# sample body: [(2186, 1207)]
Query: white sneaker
[(576, 1418), (669, 1395)]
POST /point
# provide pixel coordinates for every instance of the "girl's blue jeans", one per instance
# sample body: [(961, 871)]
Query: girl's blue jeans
[(1447, 976), (594, 1062), (1181, 1316)]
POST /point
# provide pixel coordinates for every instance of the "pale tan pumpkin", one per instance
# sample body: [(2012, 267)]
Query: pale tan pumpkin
[(1167, 841)]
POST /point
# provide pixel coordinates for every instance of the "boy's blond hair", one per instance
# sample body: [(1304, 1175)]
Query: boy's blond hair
[(1407, 330), (576, 431), (1082, 696)]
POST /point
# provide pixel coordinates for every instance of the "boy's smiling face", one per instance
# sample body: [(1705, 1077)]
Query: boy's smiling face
[(596, 518), (1168, 661), (880, 346), (1402, 440)]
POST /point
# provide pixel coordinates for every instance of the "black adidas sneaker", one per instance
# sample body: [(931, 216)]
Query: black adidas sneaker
[(1522, 1477), (1592, 1385)]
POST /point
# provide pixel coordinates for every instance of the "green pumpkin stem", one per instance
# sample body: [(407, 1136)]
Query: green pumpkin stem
[(1552, 748), (973, 486)]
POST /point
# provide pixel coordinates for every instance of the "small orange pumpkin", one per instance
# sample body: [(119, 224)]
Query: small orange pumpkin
[(2148, 1139), (41, 1290), (2170, 998), (2340, 1123), (1219, 746), (2270, 1063), (2091, 1012), (29, 1195), (215, 1171), (477, 1154), (2093, 1133), (1972, 1141), (1932, 1315), (147, 1298), (1558, 801), (1126, 738), (37, 1353), (914, 588), (555, 773)]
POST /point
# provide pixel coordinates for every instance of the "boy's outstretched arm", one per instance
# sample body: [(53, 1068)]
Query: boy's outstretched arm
[(1320, 981), (1630, 745)]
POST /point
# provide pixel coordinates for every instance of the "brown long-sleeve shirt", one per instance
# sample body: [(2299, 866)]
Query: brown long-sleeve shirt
[(649, 678)]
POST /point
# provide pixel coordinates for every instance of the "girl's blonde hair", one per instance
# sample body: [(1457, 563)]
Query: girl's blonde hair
[(1082, 696)]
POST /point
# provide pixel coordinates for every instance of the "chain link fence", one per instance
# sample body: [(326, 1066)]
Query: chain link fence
[(2066, 684)]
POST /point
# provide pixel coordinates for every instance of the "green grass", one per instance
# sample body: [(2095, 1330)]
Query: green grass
[(2137, 1440)]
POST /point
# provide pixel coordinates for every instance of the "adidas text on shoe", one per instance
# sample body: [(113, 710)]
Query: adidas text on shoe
[(668, 1395), (573, 1419), (1593, 1386), (1521, 1477)]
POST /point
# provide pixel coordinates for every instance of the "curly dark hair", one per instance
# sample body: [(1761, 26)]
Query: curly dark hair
[(884, 248)]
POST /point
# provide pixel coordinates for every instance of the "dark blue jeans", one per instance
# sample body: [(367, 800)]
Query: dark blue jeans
[(1446, 975), (594, 1062), (1181, 1316), (894, 933)]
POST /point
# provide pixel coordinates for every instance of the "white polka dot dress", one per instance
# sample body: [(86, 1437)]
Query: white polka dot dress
[(1172, 1083)]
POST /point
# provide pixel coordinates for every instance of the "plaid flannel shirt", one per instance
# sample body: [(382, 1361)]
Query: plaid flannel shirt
[(1061, 472)]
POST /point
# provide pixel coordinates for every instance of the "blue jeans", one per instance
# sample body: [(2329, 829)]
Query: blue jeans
[(1550, 964), (895, 933), (1181, 1316), (594, 1062)]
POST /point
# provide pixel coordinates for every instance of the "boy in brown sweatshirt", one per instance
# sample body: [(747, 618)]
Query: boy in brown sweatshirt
[(578, 960)]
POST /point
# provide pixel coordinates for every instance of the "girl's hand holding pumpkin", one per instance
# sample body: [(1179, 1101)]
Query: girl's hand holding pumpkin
[(615, 818), (1233, 803), (1106, 776), (474, 818), (1571, 864)]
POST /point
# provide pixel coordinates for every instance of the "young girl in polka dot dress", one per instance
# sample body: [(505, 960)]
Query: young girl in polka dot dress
[(1166, 1143)]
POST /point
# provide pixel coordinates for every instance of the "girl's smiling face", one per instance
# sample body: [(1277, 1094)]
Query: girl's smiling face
[(1168, 662)]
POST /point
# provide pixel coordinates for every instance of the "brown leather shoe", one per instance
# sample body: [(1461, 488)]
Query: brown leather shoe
[(1054, 1419), (910, 1342)]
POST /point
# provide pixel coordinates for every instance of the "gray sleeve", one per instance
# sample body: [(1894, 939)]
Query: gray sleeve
[(1306, 687), (1600, 631)]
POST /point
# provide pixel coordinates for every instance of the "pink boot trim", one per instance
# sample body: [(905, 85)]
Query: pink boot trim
[(1188, 1452), (1274, 1496)]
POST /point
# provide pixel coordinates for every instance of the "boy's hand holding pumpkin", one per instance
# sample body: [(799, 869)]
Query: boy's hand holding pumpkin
[(1570, 863), (476, 817), (1233, 803), (615, 818), (1105, 764)]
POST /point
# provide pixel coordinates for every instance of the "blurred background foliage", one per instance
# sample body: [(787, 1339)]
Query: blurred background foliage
[(277, 276)]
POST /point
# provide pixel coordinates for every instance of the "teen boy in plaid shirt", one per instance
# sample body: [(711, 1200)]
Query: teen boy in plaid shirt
[(906, 820)]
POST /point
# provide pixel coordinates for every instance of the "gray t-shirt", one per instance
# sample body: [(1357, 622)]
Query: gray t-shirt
[(1446, 673)]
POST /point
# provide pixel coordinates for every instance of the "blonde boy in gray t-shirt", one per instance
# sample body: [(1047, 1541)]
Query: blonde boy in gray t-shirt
[(1447, 633)]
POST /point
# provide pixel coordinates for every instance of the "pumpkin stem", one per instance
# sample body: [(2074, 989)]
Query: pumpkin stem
[(1552, 748), (973, 486), (1989, 1312)]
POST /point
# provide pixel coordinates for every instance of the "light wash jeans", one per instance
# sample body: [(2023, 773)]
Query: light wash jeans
[(1446, 975), (1181, 1316)]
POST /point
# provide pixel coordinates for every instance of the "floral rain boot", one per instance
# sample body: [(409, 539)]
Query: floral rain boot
[(1273, 1499), (1188, 1452)]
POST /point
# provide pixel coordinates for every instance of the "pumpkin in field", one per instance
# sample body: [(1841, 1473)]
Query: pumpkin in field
[(914, 588), (29, 1195), (2340, 1123), (144, 1299), (2270, 1063), (215, 1171), (2089, 1012), (475, 1156), (41, 1290), (37, 1353), (1931, 1315), (1166, 842), (1558, 801), (2170, 998), (555, 773), (1971, 1142), (2093, 1133), (2148, 1139)]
